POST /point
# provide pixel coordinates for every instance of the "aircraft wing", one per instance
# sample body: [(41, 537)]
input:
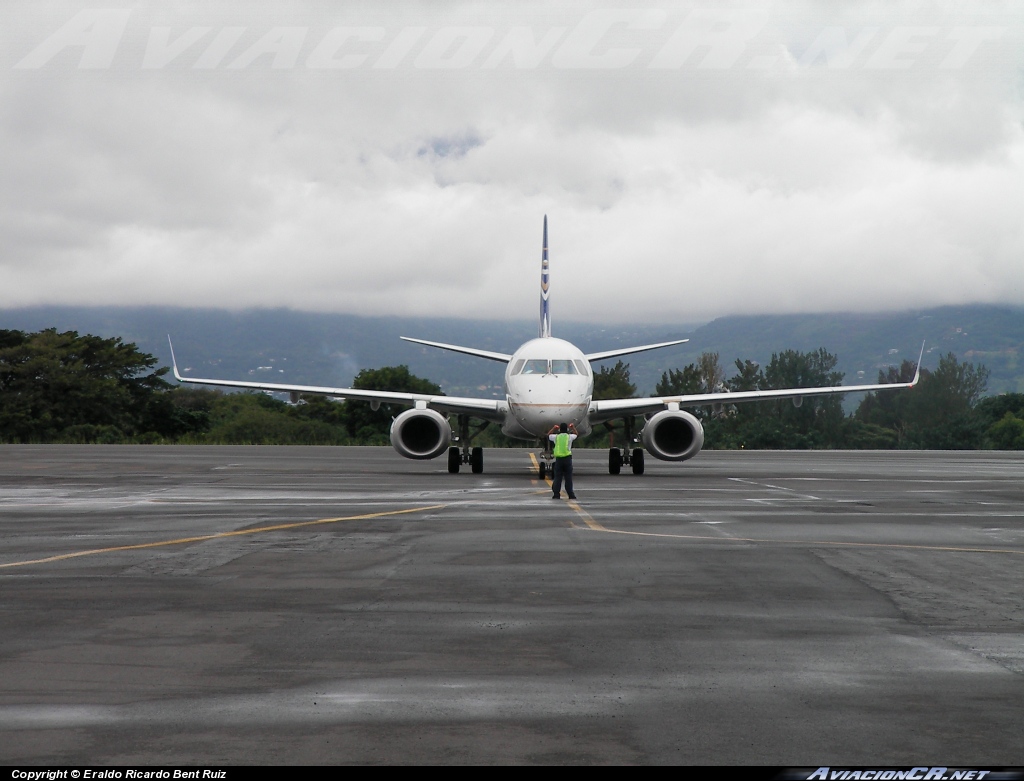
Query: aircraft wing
[(487, 409), (601, 411)]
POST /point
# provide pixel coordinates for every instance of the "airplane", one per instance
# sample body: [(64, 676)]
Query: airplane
[(547, 381)]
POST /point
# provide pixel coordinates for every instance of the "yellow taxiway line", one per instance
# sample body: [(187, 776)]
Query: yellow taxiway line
[(574, 504), (221, 535)]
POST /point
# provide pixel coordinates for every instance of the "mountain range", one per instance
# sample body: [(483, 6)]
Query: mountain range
[(283, 345)]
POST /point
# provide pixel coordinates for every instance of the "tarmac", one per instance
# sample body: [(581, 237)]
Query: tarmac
[(265, 605)]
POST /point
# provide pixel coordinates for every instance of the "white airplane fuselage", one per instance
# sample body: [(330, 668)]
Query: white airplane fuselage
[(547, 382)]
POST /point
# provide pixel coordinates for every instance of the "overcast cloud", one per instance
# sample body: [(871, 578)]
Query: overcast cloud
[(693, 161)]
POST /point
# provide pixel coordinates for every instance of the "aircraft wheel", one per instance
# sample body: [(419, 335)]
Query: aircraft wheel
[(542, 470), (638, 461), (614, 461), (454, 459), (476, 459)]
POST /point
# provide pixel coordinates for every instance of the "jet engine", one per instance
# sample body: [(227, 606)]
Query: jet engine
[(673, 435), (421, 433)]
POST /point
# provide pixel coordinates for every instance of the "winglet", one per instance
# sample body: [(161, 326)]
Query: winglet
[(917, 373), (174, 363)]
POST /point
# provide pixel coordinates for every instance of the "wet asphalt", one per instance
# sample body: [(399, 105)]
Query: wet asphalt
[(237, 605)]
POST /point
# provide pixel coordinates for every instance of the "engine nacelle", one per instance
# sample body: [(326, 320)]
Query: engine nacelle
[(421, 433), (673, 435)]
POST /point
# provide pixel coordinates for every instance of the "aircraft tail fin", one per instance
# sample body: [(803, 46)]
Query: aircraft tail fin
[(545, 313)]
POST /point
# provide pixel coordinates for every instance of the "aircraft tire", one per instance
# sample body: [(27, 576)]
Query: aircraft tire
[(476, 460), (454, 459), (638, 461), (614, 461), (542, 470)]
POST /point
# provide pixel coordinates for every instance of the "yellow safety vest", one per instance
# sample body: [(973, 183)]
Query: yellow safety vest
[(562, 447)]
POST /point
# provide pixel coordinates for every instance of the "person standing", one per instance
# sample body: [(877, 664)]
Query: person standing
[(562, 438)]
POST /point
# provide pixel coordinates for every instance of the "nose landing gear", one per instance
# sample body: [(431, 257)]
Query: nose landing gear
[(544, 458)]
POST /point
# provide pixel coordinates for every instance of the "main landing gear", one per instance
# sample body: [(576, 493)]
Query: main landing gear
[(474, 456), (617, 457)]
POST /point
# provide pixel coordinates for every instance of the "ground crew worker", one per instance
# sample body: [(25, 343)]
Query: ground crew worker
[(563, 459)]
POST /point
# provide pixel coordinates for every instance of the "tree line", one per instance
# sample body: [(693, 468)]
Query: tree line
[(947, 410), (70, 388)]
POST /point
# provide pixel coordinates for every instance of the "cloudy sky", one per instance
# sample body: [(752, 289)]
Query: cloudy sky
[(694, 159)]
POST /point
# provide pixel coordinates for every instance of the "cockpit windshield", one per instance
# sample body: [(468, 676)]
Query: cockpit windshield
[(542, 366), (535, 367), (563, 367)]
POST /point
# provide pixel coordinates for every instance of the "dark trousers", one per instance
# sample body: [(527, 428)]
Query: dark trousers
[(562, 471)]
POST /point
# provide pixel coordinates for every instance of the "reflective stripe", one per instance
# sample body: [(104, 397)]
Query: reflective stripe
[(562, 448)]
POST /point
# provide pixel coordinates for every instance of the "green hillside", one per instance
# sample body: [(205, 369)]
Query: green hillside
[(325, 349)]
